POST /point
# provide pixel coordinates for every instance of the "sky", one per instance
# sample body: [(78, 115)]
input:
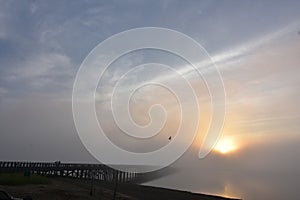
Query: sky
[(255, 44)]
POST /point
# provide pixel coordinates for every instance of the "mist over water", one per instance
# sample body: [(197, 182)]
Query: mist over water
[(251, 174)]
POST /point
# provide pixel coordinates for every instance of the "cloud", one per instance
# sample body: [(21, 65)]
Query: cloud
[(2, 91), (41, 72), (2, 26), (43, 43)]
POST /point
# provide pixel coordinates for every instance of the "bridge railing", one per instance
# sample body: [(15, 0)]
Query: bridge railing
[(74, 170)]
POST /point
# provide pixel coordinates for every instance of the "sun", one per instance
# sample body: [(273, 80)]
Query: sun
[(226, 145)]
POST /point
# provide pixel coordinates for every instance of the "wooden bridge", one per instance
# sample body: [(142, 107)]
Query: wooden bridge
[(74, 170)]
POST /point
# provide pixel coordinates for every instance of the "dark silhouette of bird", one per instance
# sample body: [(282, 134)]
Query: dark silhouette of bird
[(170, 137)]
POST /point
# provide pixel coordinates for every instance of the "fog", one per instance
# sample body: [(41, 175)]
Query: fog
[(255, 46), (35, 131)]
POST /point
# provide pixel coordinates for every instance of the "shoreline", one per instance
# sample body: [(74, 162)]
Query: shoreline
[(75, 189)]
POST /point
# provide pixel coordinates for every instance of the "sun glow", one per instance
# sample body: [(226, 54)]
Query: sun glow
[(226, 145)]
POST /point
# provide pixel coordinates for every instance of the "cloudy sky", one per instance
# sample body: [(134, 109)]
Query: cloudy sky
[(255, 44)]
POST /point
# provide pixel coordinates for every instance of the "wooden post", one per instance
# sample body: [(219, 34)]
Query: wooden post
[(92, 183), (116, 184)]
